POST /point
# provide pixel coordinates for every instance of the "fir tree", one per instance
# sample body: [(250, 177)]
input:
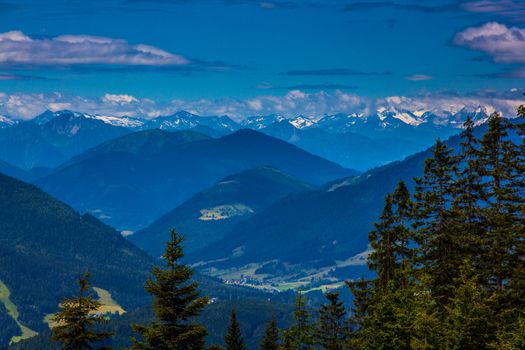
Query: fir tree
[(233, 338), (271, 336), (499, 167), (77, 318), (469, 318), (176, 303), (300, 335), (334, 328), (391, 239), (468, 196), (390, 319), (362, 293), (435, 233)]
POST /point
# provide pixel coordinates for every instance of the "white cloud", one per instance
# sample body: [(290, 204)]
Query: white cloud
[(17, 48), (119, 99), (504, 44), (294, 103), (57, 106)]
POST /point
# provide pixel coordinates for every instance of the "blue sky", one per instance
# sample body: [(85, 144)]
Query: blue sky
[(234, 56)]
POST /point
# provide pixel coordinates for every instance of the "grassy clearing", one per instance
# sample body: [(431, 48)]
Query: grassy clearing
[(109, 306), (12, 310), (223, 212)]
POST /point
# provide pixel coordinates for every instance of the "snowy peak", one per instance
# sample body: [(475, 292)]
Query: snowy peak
[(388, 115), (261, 122), (125, 122), (301, 122), (186, 120), (6, 122)]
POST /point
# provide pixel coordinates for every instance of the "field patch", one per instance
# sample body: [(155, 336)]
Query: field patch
[(12, 310), (108, 306), (226, 211)]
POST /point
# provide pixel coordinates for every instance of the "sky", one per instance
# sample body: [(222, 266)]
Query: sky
[(248, 57)]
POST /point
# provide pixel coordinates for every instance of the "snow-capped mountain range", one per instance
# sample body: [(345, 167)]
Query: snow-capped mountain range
[(385, 118)]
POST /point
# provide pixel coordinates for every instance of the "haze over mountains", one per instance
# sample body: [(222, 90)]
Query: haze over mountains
[(209, 215), (130, 181), (385, 135)]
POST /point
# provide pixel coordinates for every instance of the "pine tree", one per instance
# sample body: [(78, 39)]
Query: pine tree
[(77, 318), (469, 318), (391, 238), (334, 328), (300, 335), (500, 168), (390, 319), (382, 259), (233, 338), (176, 303), (466, 208), (271, 336), (362, 293), (435, 233)]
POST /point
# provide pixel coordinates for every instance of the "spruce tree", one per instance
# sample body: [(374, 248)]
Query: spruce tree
[(500, 167), (391, 239), (362, 293), (390, 320), (469, 318), (466, 209), (435, 233), (300, 334), (176, 303), (233, 338), (271, 336), (334, 331), (77, 318)]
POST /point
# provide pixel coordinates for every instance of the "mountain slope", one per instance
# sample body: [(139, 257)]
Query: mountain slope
[(316, 228), (52, 138), (129, 187), (321, 227), (349, 149), (45, 245), (210, 214), (11, 170)]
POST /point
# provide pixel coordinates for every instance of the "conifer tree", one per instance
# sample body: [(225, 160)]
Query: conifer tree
[(176, 303), (271, 336), (300, 335), (435, 233), (362, 293), (469, 318), (518, 275), (391, 238), (334, 331), (233, 338), (500, 168), (390, 320), (468, 196), (77, 318)]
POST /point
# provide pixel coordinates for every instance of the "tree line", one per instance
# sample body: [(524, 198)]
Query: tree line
[(449, 263)]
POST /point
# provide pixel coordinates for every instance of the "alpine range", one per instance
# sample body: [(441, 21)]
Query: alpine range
[(262, 174)]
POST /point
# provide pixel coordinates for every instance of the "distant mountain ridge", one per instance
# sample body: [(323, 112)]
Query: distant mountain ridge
[(383, 117), (316, 228), (387, 134), (131, 181), (209, 215), (52, 138)]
